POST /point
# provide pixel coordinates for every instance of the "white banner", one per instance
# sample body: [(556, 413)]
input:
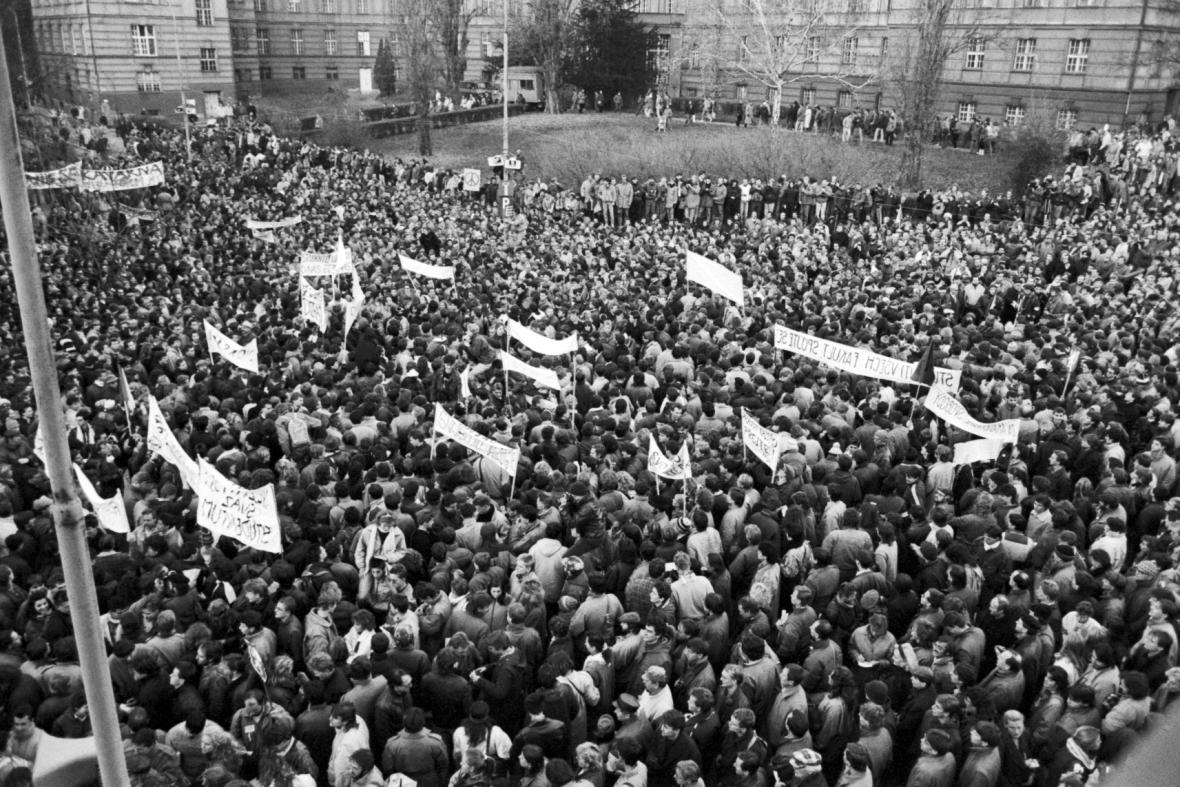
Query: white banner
[(943, 403), (334, 264), (1071, 362), (254, 224), (123, 179), (161, 441), (539, 342), (471, 179), (716, 277), (978, 451), (68, 177), (856, 360), (249, 515), (451, 429), (311, 305), (111, 513), (678, 468), (545, 377), (266, 236), (244, 356), (352, 309), (423, 269), (762, 442)]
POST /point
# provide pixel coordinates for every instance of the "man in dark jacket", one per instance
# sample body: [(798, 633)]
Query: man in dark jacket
[(670, 746), (541, 730), (502, 682)]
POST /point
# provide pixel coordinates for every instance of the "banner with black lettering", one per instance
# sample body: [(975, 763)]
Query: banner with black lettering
[(123, 179), (248, 515), (857, 360), (111, 512), (678, 468), (254, 224), (244, 356), (68, 177), (160, 440), (450, 428), (946, 405)]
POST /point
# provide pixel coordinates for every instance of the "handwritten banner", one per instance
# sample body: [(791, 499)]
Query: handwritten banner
[(248, 515), (678, 467), (716, 277), (943, 403), (160, 440), (471, 179), (311, 305), (538, 342), (68, 177), (254, 224), (450, 428), (856, 360), (244, 356), (762, 442), (973, 451), (123, 179), (111, 513), (411, 265)]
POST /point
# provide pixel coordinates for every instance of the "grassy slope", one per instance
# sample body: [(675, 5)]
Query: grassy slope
[(567, 147)]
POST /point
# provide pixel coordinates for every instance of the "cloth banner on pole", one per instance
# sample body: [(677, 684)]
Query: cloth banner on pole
[(248, 515), (68, 177), (763, 443), (267, 236), (334, 264), (136, 215), (465, 384), (311, 305), (125, 393), (716, 277), (678, 468), (254, 224), (450, 428), (982, 450), (123, 179), (161, 441), (539, 342), (352, 309), (423, 269), (244, 356), (542, 376), (856, 360), (943, 403), (1071, 362), (111, 513)]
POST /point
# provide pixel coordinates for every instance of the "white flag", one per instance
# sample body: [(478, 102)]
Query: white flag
[(311, 305), (465, 383), (160, 440), (267, 236), (111, 513), (762, 442), (982, 450), (451, 428), (716, 277), (943, 403), (249, 515), (423, 269), (241, 355), (678, 467), (1071, 363), (542, 376), (539, 342)]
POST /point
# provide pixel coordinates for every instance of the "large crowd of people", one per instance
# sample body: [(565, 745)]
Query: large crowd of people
[(866, 613)]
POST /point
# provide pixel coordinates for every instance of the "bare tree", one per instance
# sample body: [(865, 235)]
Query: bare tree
[(423, 63), (544, 34), (453, 19), (778, 42)]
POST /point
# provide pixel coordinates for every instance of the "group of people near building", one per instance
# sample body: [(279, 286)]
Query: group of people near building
[(866, 612)]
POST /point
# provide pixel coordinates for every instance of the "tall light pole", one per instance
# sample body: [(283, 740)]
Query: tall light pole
[(188, 143), (20, 46), (67, 511), (504, 80)]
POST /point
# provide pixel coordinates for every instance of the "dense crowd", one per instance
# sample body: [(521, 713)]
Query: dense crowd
[(867, 613)]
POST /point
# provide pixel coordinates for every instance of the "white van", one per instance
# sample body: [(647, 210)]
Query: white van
[(526, 85)]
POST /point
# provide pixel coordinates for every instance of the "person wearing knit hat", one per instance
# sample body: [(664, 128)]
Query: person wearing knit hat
[(808, 767)]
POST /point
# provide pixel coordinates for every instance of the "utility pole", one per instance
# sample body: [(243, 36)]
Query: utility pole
[(504, 80), (67, 511), (20, 46), (188, 143)]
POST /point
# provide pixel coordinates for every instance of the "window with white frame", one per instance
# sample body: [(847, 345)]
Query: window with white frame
[(239, 39), (1066, 119), (262, 39), (1013, 115), (975, 51), (329, 6), (204, 13), (807, 96), (332, 72), (812, 52), (329, 42), (294, 6), (362, 43), (966, 111), (208, 60), (848, 50), (1026, 54), (296, 41), (143, 40), (363, 7), (260, 5), (147, 81), (74, 36), (844, 99), (1077, 55)]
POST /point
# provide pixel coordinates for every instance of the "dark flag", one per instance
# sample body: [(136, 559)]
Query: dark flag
[(924, 371)]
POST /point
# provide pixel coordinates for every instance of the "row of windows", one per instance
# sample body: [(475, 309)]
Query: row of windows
[(1014, 115), (1024, 56), (311, 6), (266, 73), (240, 37)]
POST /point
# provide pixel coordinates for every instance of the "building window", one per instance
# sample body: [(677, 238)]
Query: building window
[(844, 99), (294, 6), (329, 6), (73, 41), (395, 42), (1079, 52), (975, 50), (260, 5), (1031, 3), (966, 111), (147, 81), (362, 43), (298, 72), (332, 73), (265, 73), (811, 54), (297, 41), (208, 60), (329, 42), (1026, 54), (1013, 115), (204, 13), (1066, 119), (243, 75), (848, 51), (884, 49), (143, 40), (807, 96), (239, 39), (262, 38), (362, 7), (659, 53)]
